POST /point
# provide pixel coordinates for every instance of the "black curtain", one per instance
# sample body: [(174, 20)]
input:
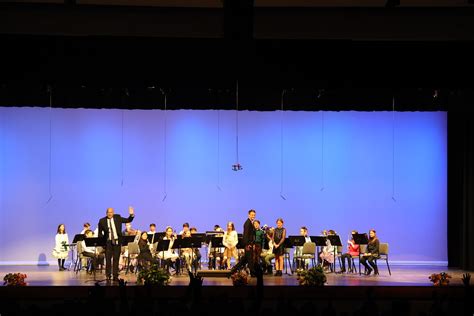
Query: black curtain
[(461, 189)]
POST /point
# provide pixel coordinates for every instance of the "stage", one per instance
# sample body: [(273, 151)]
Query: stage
[(401, 276), (407, 291)]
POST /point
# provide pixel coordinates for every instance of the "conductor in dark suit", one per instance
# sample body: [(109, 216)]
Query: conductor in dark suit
[(248, 239), (110, 230)]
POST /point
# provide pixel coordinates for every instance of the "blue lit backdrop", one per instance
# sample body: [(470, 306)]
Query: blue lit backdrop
[(357, 186)]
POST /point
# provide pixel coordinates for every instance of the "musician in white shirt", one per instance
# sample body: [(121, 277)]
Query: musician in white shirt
[(302, 263), (169, 255), (152, 229), (185, 229), (230, 241), (87, 227), (61, 246), (91, 252), (267, 254), (216, 254)]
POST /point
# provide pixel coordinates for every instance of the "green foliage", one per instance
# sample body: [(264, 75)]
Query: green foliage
[(154, 275), (312, 277)]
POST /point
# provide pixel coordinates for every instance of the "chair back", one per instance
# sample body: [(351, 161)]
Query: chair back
[(309, 248), (363, 249), (133, 249), (339, 249), (79, 248), (153, 247), (383, 249)]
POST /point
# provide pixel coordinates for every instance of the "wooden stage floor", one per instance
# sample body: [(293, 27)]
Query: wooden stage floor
[(401, 276)]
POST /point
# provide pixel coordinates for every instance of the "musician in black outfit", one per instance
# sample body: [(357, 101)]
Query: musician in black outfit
[(110, 229), (145, 255), (248, 239), (372, 254)]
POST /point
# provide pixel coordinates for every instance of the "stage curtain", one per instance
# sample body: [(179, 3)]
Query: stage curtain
[(460, 190)]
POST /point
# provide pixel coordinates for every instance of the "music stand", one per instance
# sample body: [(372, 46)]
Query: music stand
[(266, 244), (360, 239), (287, 245), (297, 241), (77, 238), (320, 241), (179, 243), (200, 236), (95, 242), (153, 238), (240, 243), (126, 239), (335, 241), (216, 242), (207, 239), (193, 242), (163, 245)]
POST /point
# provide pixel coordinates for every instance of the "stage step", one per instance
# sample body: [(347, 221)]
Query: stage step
[(213, 273)]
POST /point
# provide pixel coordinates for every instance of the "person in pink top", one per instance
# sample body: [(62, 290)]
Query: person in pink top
[(353, 251)]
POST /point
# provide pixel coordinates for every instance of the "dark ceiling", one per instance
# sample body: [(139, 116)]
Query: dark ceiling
[(197, 63)]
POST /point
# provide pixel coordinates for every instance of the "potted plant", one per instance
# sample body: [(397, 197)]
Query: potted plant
[(312, 277), (240, 278), (440, 279), (14, 279), (154, 276)]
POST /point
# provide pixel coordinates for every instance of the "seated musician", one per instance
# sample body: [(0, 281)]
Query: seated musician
[(169, 256), (187, 253), (145, 256), (327, 254), (197, 252), (259, 241), (91, 252), (372, 254), (86, 227), (129, 231), (302, 263), (352, 251), (267, 254), (152, 229), (216, 254), (185, 229), (230, 241)]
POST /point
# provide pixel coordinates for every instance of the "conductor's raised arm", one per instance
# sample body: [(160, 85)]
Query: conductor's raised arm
[(131, 215)]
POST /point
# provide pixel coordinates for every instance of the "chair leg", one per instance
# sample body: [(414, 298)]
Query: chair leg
[(388, 266), (76, 268), (354, 267), (127, 264)]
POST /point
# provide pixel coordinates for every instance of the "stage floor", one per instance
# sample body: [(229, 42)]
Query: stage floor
[(401, 276)]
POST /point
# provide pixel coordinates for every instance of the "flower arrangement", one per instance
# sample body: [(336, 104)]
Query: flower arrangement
[(312, 277), (240, 278), (15, 279), (440, 279), (154, 276)]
